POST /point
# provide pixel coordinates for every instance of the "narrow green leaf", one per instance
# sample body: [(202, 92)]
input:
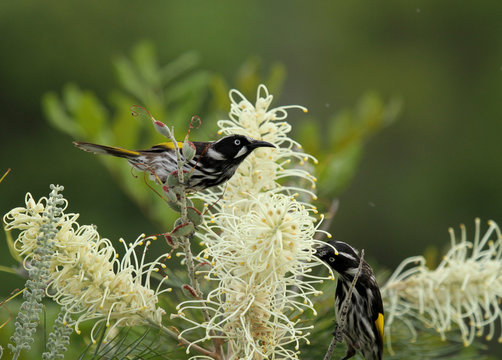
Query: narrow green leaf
[(145, 59), (55, 113), (177, 67)]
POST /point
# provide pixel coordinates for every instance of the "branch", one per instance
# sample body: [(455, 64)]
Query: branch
[(185, 240), (338, 335)]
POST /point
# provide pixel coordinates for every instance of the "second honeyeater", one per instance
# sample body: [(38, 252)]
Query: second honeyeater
[(363, 330), (213, 164)]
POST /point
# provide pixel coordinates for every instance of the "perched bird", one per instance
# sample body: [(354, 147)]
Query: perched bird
[(213, 163), (365, 318)]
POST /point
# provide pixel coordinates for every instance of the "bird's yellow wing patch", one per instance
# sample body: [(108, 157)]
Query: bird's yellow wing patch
[(170, 145), (379, 324), (124, 151)]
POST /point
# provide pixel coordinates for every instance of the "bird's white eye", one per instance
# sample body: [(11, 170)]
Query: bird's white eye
[(331, 259), (237, 142)]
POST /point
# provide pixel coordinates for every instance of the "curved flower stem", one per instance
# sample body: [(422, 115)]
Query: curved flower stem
[(338, 335)]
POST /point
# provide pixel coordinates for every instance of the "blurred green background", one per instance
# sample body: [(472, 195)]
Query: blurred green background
[(438, 165)]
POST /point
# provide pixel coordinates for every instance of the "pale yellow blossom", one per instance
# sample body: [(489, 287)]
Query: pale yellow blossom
[(87, 276), (464, 291), (260, 241)]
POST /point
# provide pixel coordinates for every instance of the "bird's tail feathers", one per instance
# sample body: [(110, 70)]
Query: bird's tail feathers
[(109, 150)]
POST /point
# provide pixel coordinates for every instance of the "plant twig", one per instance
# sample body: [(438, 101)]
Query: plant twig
[(4, 175), (328, 219), (185, 241), (184, 217), (338, 335)]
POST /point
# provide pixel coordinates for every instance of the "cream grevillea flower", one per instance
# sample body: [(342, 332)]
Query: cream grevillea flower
[(464, 291), (260, 242), (87, 276)]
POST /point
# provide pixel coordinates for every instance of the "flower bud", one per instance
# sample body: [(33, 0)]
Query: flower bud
[(188, 150)]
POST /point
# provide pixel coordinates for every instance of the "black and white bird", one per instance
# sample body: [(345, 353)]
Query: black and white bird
[(363, 329), (213, 163)]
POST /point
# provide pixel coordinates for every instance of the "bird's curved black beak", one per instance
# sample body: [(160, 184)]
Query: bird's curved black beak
[(319, 251), (259, 143), (322, 250)]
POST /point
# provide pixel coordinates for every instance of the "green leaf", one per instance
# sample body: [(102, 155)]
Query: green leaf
[(185, 229), (172, 180), (178, 67), (125, 128), (194, 215), (338, 170), (309, 132), (145, 59), (189, 90), (92, 116), (57, 116), (276, 78), (171, 195), (128, 77)]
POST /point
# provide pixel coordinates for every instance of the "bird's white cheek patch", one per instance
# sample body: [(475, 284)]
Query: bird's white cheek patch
[(215, 155), (241, 152)]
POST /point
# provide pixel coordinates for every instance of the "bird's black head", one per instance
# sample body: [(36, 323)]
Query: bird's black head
[(235, 147), (344, 261)]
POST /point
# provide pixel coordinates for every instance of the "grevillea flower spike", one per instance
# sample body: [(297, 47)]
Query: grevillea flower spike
[(86, 276), (463, 292), (260, 241)]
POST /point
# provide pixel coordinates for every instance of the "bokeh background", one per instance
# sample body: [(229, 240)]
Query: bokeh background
[(434, 68)]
